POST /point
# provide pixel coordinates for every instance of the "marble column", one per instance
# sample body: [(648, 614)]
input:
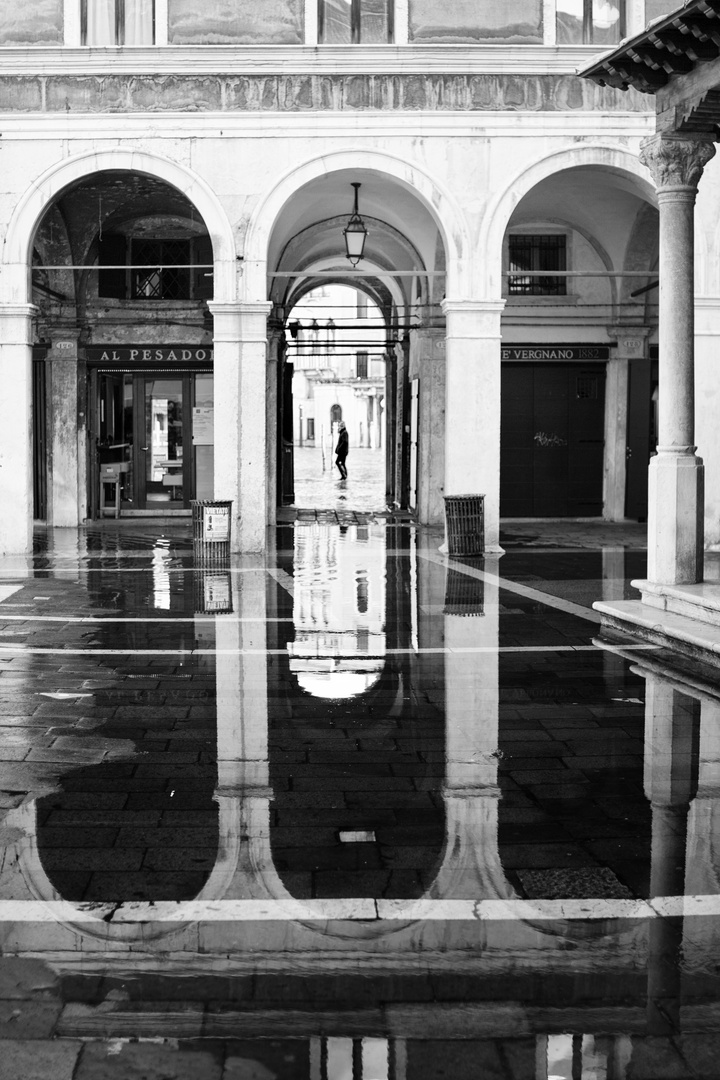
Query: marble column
[(240, 343), (472, 406), (675, 484), (16, 455)]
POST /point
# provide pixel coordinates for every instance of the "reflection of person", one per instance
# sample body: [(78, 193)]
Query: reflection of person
[(341, 450)]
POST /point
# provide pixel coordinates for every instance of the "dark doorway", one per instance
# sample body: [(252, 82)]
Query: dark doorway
[(552, 440)]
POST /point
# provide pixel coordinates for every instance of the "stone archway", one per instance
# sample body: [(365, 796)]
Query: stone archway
[(17, 312)]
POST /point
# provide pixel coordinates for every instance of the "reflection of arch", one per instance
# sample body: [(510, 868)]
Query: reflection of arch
[(441, 206), (29, 210), (622, 164)]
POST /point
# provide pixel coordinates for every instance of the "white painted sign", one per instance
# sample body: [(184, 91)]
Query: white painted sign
[(203, 425), (216, 524)]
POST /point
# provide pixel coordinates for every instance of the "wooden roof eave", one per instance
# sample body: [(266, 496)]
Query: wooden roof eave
[(669, 47)]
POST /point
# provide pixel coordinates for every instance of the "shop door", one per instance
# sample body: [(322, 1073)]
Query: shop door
[(143, 423), (552, 440), (163, 472)]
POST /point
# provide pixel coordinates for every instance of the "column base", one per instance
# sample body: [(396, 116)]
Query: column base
[(675, 517)]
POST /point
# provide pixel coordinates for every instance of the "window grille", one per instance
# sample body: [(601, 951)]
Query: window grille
[(362, 365), (536, 253), (164, 279)]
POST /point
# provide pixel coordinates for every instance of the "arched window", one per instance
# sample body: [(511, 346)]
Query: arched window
[(336, 414)]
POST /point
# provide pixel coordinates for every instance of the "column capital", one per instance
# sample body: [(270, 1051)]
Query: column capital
[(675, 160), (470, 307), (240, 307), (19, 311)]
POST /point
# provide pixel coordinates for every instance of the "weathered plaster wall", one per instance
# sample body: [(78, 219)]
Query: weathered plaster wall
[(477, 20), (301, 93), (235, 22), (35, 22)]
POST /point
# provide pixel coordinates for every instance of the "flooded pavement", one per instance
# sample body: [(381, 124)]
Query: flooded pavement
[(317, 481), (350, 811)]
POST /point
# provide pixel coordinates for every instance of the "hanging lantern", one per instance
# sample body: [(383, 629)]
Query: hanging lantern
[(355, 233)]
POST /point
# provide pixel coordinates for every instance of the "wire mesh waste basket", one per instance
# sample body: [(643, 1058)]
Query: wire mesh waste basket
[(211, 531), (465, 521)]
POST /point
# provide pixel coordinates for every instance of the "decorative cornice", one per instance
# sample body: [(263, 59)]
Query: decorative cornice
[(189, 91), (676, 161)]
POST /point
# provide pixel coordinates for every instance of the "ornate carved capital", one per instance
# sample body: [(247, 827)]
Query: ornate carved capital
[(676, 160)]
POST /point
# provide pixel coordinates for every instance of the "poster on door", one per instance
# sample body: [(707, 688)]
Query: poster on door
[(203, 426)]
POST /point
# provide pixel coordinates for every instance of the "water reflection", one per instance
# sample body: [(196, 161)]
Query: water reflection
[(498, 857), (339, 609)]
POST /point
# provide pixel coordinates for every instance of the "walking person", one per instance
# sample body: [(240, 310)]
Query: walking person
[(341, 450)]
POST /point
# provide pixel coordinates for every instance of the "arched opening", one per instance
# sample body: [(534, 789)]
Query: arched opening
[(122, 272), (579, 360), (380, 319), (337, 348)]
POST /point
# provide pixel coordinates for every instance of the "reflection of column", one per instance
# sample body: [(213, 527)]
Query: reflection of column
[(67, 466), (243, 794), (16, 469), (472, 863), (240, 361), (472, 406), (613, 588), (701, 942), (675, 492), (670, 742)]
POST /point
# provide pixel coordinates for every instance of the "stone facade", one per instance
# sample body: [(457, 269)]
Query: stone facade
[(461, 151)]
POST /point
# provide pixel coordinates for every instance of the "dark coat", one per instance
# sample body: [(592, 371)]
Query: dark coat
[(343, 445)]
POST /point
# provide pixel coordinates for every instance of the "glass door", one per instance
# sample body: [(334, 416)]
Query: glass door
[(163, 453), (143, 446)]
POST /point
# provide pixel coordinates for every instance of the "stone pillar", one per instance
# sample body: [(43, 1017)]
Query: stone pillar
[(472, 406), (276, 333), (675, 484), (67, 434), (430, 347), (240, 343), (630, 345), (16, 462)]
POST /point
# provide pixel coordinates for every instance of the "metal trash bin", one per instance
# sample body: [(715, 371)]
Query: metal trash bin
[(211, 531), (465, 523)]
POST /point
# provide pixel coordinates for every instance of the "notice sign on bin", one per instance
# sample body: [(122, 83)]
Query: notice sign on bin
[(216, 524)]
